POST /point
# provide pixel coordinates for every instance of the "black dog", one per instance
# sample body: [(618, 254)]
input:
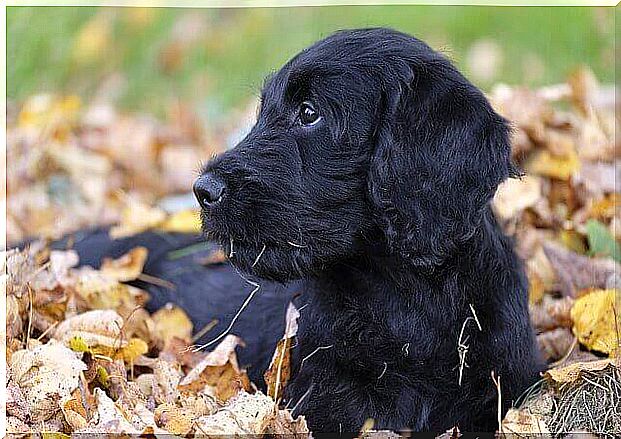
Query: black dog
[(368, 177)]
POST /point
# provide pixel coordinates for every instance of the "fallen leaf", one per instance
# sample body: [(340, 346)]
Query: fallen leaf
[(551, 313), (92, 328), (184, 221), (601, 241), (127, 267), (595, 320), (524, 424), (109, 418), (278, 374), (571, 373), (218, 370), (174, 419), (244, 414), (170, 322), (555, 344), (136, 218), (45, 375), (544, 163), (215, 257), (514, 195), (576, 272)]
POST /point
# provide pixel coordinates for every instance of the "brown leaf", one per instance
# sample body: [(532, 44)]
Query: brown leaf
[(555, 344), (552, 313), (576, 272), (45, 375), (174, 419), (136, 218), (524, 424), (571, 373), (216, 257), (219, 371), (278, 374)]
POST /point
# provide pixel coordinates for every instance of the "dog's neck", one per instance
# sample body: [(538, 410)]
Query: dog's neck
[(487, 246)]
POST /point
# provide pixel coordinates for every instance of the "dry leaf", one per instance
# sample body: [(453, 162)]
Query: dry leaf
[(278, 374), (109, 418), (45, 375), (544, 163), (174, 419), (576, 272), (244, 414), (170, 322), (184, 221), (571, 373), (136, 218), (93, 328), (127, 267), (219, 371), (514, 195), (555, 344), (524, 424), (596, 320)]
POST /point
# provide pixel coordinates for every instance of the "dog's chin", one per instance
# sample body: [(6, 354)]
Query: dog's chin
[(265, 261)]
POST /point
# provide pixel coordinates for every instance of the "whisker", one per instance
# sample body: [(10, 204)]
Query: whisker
[(258, 256)]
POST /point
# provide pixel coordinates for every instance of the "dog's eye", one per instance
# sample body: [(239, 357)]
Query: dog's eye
[(308, 115)]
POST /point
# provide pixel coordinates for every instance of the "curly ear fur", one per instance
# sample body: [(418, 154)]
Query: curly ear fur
[(441, 152)]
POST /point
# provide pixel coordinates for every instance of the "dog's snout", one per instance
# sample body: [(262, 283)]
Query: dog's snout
[(209, 190)]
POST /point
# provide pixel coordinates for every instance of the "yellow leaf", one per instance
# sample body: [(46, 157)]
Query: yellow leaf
[(77, 344), (127, 267), (571, 373), (136, 218), (172, 321), (605, 208), (536, 287), (594, 320), (184, 221), (515, 195), (135, 348), (573, 241), (544, 163)]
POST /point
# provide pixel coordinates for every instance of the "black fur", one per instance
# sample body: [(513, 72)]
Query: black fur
[(380, 213), (382, 207)]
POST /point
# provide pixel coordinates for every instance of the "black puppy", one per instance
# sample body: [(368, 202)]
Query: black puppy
[(369, 175), (365, 186)]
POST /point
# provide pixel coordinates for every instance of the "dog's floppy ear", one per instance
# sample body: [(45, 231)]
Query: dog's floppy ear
[(441, 152)]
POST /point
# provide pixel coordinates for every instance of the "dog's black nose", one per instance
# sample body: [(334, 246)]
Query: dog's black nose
[(208, 189)]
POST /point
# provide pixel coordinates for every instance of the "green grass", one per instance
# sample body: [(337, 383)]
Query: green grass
[(227, 62)]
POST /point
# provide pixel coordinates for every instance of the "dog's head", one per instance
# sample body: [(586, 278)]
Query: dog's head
[(367, 136)]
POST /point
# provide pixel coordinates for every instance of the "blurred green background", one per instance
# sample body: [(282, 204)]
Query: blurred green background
[(143, 58)]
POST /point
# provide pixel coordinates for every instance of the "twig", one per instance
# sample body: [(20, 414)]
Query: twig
[(156, 281), (497, 384), (208, 327)]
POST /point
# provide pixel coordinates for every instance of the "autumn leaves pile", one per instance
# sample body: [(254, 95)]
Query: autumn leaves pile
[(564, 214), (85, 356)]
